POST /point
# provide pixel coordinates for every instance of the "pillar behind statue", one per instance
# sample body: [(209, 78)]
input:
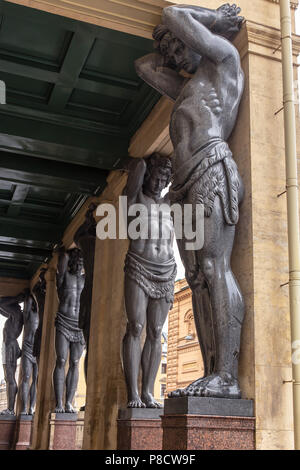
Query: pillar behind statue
[(11, 309), (85, 239), (39, 292)]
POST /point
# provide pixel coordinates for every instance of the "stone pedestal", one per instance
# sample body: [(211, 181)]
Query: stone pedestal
[(79, 430), (191, 423), (23, 432), (139, 429), (7, 431), (63, 431)]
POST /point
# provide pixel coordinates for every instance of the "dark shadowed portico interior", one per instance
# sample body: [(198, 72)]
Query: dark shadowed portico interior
[(73, 103)]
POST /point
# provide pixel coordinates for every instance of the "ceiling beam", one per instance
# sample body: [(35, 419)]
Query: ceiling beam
[(20, 169), (29, 231), (60, 119), (26, 243), (30, 252), (105, 154), (18, 198), (74, 61), (5, 255), (28, 71)]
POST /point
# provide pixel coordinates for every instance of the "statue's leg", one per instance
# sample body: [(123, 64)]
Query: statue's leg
[(156, 316), (202, 317), (136, 302), (33, 389), (26, 366), (227, 305), (76, 350), (62, 350), (11, 386), (201, 306)]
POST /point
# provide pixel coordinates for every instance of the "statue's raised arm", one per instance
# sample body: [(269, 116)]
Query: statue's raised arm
[(187, 34), (196, 27), (136, 172)]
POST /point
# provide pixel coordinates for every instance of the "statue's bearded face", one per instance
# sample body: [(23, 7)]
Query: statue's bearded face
[(177, 55)]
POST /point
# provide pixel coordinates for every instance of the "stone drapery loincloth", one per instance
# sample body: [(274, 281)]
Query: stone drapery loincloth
[(69, 328), (27, 351), (156, 279), (210, 172)]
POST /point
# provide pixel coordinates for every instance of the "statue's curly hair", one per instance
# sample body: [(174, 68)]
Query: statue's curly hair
[(75, 261), (158, 33), (163, 164)]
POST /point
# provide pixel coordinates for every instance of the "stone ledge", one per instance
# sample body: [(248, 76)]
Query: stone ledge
[(208, 407), (140, 413)]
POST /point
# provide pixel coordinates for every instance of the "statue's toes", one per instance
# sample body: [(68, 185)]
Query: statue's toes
[(197, 392), (205, 393)]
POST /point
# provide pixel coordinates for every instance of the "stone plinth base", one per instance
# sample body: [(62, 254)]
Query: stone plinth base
[(23, 432), (192, 423), (63, 431), (139, 429), (79, 430), (7, 431)]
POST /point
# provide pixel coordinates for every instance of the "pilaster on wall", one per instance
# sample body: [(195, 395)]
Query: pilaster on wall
[(105, 384), (45, 394), (260, 258), (12, 286)]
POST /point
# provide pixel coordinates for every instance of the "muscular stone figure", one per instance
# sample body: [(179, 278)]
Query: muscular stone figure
[(207, 95), (150, 272), (85, 239), (69, 338), (10, 308), (39, 292), (28, 361)]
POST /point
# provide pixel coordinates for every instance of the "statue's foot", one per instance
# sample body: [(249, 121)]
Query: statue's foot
[(31, 412), (69, 408), (7, 412), (194, 389), (136, 403), (149, 401), (23, 413), (221, 386), (59, 409)]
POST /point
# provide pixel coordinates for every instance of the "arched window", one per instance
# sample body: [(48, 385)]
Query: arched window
[(190, 325)]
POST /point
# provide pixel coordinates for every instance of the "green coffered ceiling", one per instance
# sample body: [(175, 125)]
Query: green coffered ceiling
[(73, 103)]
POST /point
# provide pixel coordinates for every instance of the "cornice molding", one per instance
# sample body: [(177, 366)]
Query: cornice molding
[(294, 4)]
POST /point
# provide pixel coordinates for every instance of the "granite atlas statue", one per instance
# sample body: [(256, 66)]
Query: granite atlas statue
[(196, 65), (150, 272), (11, 309), (69, 339), (29, 367)]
